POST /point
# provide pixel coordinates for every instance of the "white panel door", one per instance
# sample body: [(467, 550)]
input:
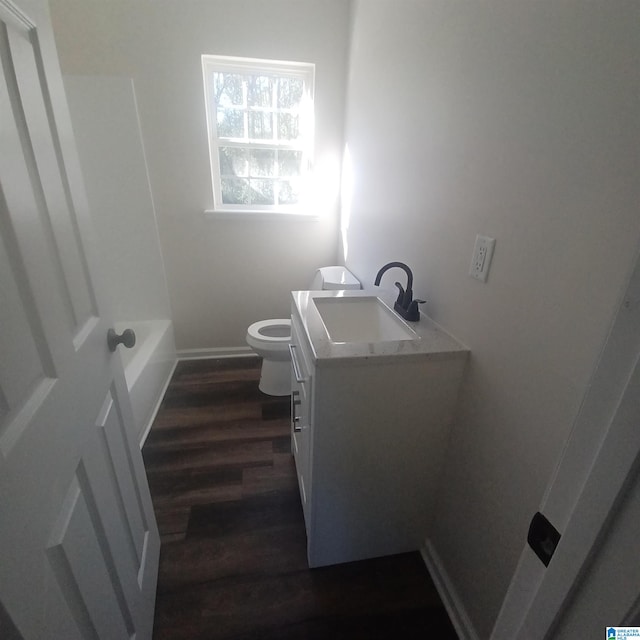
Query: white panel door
[(78, 541), (600, 462)]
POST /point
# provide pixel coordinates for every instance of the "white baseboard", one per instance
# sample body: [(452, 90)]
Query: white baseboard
[(145, 433), (215, 352), (452, 602)]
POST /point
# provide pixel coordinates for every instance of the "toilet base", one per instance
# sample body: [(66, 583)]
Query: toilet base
[(275, 377)]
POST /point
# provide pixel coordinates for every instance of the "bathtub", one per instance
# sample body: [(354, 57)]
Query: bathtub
[(148, 367)]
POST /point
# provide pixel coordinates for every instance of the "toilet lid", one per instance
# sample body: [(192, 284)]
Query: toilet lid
[(278, 330)]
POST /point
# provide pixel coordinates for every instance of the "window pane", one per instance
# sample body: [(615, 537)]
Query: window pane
[(262, 192), (289, 192), (260, 126), (288, 128), (228, 89), (289, 92), (289, 163), (235, 191), (233, 161), (259, 135), (263, 162), (260, 91), (230, 123)]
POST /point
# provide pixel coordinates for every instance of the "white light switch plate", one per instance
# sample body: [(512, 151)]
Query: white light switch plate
[(481, 259)]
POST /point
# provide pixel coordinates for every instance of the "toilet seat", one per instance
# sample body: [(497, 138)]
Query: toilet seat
[(271, 332)]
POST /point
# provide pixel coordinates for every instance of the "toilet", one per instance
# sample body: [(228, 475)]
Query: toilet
[(270, 338)]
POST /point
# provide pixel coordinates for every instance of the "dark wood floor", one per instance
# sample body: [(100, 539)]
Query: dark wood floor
[(233, 560)]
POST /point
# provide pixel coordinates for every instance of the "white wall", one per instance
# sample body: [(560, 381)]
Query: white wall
[(517, 120), (222, 274)]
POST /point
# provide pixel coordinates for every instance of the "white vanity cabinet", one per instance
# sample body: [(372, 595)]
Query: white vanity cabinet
[(369, 437)]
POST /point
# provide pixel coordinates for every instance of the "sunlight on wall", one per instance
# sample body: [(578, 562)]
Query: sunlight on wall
[(346, 198), (322, 193)]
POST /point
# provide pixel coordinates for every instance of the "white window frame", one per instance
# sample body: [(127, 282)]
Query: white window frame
[(305, 142)]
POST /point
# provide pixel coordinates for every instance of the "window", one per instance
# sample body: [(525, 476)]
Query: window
[(260, 124)]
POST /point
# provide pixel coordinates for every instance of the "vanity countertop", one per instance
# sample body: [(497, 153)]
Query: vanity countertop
[(432, 342)]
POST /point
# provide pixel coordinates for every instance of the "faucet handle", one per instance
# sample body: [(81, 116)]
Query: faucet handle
[(413, 313)]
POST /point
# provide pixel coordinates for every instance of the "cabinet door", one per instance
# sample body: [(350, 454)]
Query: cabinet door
[(301, 385)]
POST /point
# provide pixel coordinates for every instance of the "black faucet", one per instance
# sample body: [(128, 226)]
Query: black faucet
[(405, 305)]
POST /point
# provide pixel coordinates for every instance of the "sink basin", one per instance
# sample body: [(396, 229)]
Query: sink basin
[(361, 319)]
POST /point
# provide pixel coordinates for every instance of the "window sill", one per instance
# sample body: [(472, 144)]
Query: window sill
[(239, 214)]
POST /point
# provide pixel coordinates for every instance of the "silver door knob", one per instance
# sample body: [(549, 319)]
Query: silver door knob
[(127, 338)]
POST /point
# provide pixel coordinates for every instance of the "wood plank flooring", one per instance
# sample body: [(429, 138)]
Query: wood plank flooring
[(233, 560)]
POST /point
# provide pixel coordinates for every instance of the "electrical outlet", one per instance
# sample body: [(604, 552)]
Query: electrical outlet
[(481, 259)]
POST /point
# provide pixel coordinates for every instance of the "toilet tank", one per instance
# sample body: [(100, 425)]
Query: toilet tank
[(335, 277)]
